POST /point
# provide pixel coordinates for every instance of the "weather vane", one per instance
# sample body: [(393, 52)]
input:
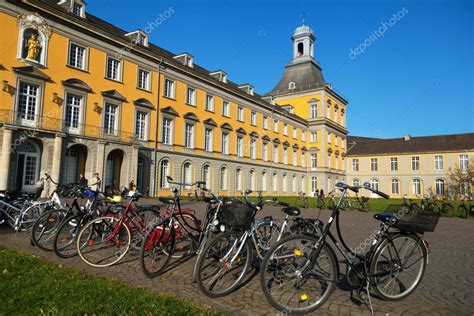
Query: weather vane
[(302, 17)]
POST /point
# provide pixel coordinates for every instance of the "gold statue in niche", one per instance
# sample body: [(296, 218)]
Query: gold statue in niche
[(34, 46)]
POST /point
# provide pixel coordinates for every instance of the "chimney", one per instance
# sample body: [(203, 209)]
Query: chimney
[(407, 137)]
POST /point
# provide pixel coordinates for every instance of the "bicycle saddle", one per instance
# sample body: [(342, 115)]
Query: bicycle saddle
[(386, 218), (166, 200), (291, 210)]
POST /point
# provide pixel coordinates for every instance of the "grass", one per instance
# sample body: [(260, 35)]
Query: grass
[(29, 285)]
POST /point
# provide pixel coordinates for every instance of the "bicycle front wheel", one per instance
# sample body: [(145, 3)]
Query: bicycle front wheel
[(45, 228), (283, 283), (398, 266), (448, 210), (223, 264), (103, 241), (157, 249)]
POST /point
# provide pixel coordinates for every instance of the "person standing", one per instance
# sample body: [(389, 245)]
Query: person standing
[(96, 186), (39, 188), (82, 181), (132, 186)]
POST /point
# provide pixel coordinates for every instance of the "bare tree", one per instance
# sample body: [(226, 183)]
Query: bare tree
[(460, 180)]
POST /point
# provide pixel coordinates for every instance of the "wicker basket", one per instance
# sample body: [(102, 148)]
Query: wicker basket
[(418, 222), (236, 214)]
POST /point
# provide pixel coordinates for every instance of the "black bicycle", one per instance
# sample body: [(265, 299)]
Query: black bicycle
[(466, 207), (300, 272)]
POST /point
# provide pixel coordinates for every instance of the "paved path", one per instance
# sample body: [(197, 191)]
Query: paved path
[(446, 289)]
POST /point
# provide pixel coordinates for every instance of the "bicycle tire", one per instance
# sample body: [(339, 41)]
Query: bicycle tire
[(45, 228), (158, 245), (267, 231), (149, 217), (182, 238), (295, 254), (108, 236), (217, 250), (393, 268), (462, 211), (64, 245), (448, 210)]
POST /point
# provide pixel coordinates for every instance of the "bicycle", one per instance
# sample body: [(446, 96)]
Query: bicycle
[(466, 207), (174, 236), (302, 200), (105, 240), (226, 259), (299, 273), (443, 207), (359, 203)]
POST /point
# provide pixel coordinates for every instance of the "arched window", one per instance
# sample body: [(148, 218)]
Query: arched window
[(303, 184), (264, 181), (275, 182), (314, 184), (300, 49), (416, 187), (291, 85), (223, 179), (293, 183), (395, 186), (356, 182), (440, 188), (164, 172), (285, 184), (374, 184), (252, 180), (187, 174), (238, 179), (206, 176)]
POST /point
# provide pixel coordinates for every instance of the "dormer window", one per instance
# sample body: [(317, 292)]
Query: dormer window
[(185, 59), (138, 37), (248, 88), (220, 75), (291, 85), (77, 9)]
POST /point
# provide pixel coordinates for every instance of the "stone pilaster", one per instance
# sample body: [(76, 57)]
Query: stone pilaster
[(5, 158)]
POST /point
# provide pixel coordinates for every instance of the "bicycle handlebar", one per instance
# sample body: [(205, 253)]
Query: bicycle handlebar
[(196, 183), (355, 189)]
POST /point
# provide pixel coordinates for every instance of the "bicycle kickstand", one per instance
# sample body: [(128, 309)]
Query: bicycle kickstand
[(367, 287), (362, 296)]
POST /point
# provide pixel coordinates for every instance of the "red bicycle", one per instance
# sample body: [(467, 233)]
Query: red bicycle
[(106, 240)]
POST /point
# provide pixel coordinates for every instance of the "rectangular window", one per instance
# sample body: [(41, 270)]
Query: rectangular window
[(295, 158), (415, 163), (314, 161), (438, 162), (314, 111), (253, 149), (143, 79), (73, 112), (111, 118), (189, 135), (313, 137), (253, 118), (113, 69), (225, 108), (275, 153), (329, 138), (295, 133), (77, 56), (303, 136), (209, 103), (166, 136), (191, 96), (355, 164), (169, 89), (394, 163), (285, 129), (77, 9), (141, 125), (208, 135), (275, 126), (463, 162), (240, 146), (373, 164), (395, 187), (285, 156), (225, 143), (240, 114), (28, 100), (265, 151), (265, 122)]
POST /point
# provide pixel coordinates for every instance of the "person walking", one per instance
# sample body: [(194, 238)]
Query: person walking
[(97, 183)]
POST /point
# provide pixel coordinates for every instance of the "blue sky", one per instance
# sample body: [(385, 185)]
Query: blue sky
[(417, 78)]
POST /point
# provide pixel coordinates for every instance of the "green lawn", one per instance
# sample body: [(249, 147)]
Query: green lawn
[(32, 286)]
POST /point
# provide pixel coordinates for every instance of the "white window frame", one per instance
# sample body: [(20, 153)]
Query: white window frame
[(167, 136), (240, 146), (295, 158), (415, 163), (285, 129), (116, 117), (190, 96), (189, 134), (265, 122), (314, 161), (225, 108), (438, 162), (313, 110), (303, 159), (225, 143), (253, 118), (223, 175), (313, 137), (117, 72), (393, 164), (145, 133), (169, 88), (238, 179), (416, 186), (440, 187), (165, 168), (355, 164), (463, 162), (209, 139), (374, 164), (265, 151), (253, 148), (395, 184), (209, 103), (240, 114), (276, 153), (146, 85), (275, 126), (285, 155), (295, 133), (84, 57)]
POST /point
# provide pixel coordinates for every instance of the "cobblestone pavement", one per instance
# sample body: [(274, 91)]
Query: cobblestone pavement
[(446, 289)]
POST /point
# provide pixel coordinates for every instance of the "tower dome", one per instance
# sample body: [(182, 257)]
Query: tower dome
[(303, 30)]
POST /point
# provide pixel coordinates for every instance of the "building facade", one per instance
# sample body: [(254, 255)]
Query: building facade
[(81, 96), (412, 166)]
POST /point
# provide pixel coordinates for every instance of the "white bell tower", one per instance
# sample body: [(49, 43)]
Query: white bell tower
[(303, 43)]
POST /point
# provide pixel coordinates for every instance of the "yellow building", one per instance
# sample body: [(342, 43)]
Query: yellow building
[(411, 166), (81, 96)]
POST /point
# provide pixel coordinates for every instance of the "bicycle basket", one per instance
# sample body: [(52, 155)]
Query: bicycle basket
[(236, 214), (418, 222)]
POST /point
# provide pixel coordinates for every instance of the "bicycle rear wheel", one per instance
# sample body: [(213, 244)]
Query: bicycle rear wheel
[(45, 228), (221, 267), (103, 241), (448, 210), (462, 211), (157, 249), (397, 266), (64, 245), (285, 288)]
